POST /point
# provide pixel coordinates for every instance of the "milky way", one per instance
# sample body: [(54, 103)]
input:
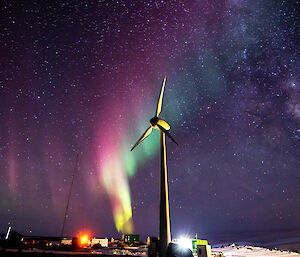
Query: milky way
[(84, 76)]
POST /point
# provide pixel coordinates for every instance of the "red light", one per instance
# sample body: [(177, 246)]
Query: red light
[(84, 239)]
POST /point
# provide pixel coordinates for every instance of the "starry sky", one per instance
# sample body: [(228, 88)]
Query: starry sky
[(84, 77)]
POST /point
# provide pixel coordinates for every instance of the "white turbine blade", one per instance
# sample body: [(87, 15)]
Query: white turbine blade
[(167, 133), (164, 124), (159, 104), (146, 133)]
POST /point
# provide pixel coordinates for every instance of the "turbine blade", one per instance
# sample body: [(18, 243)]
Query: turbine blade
[(167, 133), (159, 104), (164, 124), (146, 133)]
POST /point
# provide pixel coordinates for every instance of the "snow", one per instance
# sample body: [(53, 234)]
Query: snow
[(252, 251)]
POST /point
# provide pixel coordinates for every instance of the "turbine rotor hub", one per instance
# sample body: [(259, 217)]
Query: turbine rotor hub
[(154, 121)]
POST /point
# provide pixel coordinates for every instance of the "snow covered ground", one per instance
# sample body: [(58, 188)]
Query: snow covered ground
[(251, 251), (228, 251)]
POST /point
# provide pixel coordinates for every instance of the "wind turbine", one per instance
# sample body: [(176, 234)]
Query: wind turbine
[(163, 127)]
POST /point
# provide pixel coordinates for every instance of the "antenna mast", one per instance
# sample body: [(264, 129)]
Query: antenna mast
[(69, 196)]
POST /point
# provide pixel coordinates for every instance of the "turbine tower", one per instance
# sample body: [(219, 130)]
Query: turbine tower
[(163, 127)]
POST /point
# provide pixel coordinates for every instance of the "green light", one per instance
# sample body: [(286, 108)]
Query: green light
[(129, 163)]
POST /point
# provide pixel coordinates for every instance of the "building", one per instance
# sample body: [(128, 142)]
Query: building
[(196, 242), (204, 251), (101, 241), (130, 238), (66, 241)]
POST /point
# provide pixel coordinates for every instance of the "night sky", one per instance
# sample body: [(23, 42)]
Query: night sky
[(84, 77)]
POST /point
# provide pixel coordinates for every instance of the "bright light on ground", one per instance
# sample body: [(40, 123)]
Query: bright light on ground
[(185, 243), (84, 239)]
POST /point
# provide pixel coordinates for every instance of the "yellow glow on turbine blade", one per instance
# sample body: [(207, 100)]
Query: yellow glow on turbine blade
[(159, 104), (146, 133), (164, 124)]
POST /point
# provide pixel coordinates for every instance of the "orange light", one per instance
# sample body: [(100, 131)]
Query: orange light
[(84, 239)]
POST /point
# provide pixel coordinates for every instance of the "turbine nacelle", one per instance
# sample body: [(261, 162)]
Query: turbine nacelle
[(156, 122)]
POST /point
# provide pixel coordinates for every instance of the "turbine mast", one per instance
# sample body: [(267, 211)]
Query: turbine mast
[(164, 224)]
